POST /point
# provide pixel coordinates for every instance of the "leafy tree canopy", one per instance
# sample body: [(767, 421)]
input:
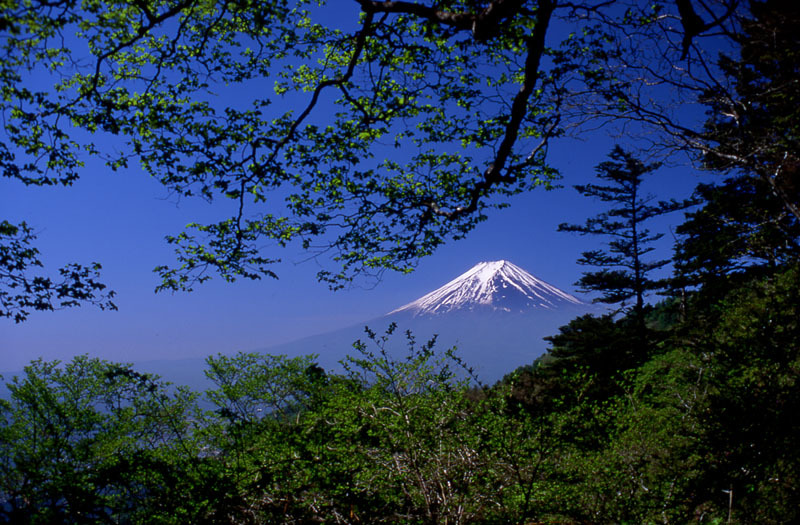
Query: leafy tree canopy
[(376, 140), (21, 291)]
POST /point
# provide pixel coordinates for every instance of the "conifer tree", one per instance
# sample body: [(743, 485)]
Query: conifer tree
[(755, 128), (623, 271)]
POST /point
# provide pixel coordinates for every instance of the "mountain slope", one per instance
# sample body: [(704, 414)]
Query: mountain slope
[(490, 286), (496, 314)]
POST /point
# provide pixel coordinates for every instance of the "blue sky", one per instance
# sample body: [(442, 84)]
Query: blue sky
[(120, 220)]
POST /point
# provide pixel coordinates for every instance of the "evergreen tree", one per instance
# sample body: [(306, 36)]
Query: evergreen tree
[(623, 272), (750, 223), (741, 229), (756, 128)]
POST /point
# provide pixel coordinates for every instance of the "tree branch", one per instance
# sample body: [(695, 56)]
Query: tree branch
[(493, 174)]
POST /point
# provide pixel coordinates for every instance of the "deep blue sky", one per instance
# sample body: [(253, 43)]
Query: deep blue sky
[(120, 220)]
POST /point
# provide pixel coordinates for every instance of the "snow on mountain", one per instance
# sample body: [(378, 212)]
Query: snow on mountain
[(490, 286)]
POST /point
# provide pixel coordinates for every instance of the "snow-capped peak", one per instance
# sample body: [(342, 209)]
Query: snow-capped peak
[(492, 285)]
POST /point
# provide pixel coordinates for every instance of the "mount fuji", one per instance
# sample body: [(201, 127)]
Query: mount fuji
[(495, 314), (495, 286)]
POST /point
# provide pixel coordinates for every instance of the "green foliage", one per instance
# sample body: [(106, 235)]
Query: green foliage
[(676, 413), (378, 142), (252, 386), (688, 432), (692, 431), (643, 466), (21, 292), (89, 440), (756, 359), (375, 142)]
